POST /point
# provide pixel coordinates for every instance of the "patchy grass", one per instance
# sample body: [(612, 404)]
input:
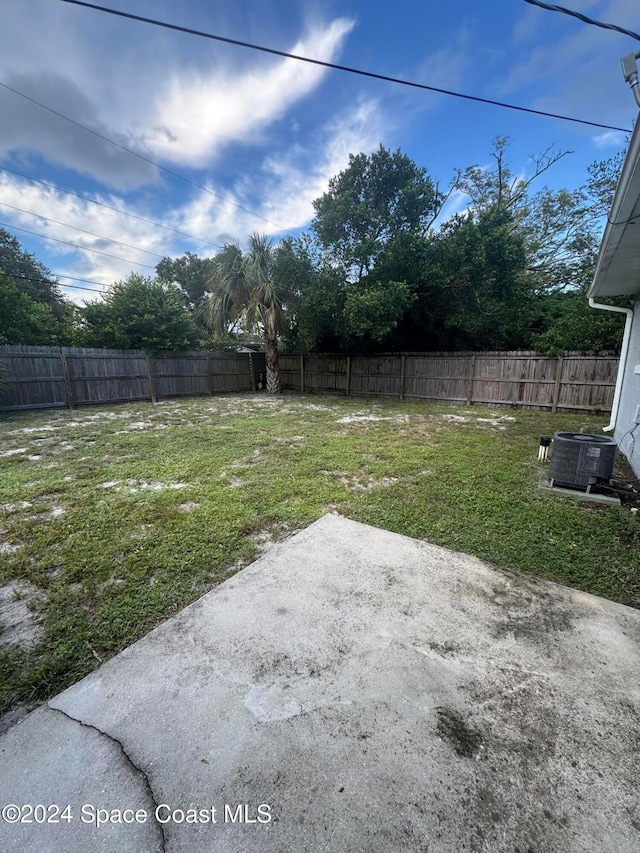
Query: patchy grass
[(113, 519)]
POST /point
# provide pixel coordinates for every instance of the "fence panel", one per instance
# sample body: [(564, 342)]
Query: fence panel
[(376, 376), (46, 377), (522, 379), (438, 377), (184, 375), (290, 371), (36, 380), (106, 376), (526, 380), (231, 371), (42, 377), (587, 383)]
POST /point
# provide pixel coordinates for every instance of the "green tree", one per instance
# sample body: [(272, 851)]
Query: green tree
[(24, 320), (374, 199), (477, 265), (140, 313), (570, 324), (561, 231), (378, 274), (329, 313), (316, 318), (30, 274), (190, 272), (33, 311), (245, 291)]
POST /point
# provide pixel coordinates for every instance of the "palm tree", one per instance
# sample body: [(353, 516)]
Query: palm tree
[(243, 288)]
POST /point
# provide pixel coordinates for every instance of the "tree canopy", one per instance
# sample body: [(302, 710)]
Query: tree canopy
[(32, 308), (374, 199), (381, 272), (140, 313), (245, 291), (381, 268)]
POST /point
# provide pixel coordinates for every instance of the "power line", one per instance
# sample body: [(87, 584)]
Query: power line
[(55, 283), (551, 7), (78, 287), (148, 159), (108, 206), (75, 278), (336, 67), (83, 230), (75, 245)]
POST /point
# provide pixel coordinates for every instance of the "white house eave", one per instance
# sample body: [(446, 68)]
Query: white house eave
[(618, 268)]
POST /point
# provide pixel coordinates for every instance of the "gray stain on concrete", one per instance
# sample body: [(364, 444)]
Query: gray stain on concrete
[(381, 694)]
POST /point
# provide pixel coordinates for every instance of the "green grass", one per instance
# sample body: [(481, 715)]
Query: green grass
[(196, 484)]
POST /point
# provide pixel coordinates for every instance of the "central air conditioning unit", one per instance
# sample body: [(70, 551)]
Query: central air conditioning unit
[(579, 461)]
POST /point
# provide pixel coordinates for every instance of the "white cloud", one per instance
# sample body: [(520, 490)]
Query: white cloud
[(609, 139), (77, 260), (170, 98), (201, 112), (26, 127), (288, 184)]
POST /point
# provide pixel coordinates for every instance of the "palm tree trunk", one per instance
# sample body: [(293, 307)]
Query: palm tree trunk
[(271, 352)]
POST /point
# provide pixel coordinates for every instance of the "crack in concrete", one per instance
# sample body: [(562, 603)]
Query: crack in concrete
[(129, 761)]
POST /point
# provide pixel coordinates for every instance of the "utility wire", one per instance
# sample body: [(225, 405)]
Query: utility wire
[(149, 160), (336, 67), (83, 230), (108, 206), (75, 278), (551, 7), (56, 283), (75, 245)]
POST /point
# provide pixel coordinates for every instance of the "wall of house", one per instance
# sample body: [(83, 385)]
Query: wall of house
[(630, 398)]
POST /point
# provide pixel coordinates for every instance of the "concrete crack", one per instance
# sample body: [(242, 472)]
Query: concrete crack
[(130, 762)]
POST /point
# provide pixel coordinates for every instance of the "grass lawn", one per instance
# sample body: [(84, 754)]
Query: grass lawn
[(111, 519)]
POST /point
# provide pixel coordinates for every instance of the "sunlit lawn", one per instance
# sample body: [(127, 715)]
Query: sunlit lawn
[(113, 518)]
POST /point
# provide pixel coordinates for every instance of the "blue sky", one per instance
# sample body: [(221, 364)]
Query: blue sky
[(265, 134)]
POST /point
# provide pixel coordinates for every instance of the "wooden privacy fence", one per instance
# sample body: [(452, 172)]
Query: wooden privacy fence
[(46, 377), (50, 377), (571, 383)]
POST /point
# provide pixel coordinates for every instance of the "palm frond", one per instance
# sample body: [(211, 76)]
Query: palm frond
[(229, 288), (242, 286)]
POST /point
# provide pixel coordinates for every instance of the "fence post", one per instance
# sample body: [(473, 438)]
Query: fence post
[(67, 379), (302, 373), (348, 388), (209, 373), (402, 375), (472, 371), (152, 390), (252, 371), (556, 390)]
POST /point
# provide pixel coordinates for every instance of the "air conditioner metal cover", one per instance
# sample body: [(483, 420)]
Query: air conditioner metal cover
[(580, 460)]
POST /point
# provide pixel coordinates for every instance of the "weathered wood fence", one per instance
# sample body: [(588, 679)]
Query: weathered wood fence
[(46, 377), (50, 377), (571, 383)]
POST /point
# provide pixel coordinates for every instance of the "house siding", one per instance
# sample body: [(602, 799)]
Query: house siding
[(630, 397)]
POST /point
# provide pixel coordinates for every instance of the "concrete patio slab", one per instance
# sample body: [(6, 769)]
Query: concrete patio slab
[(352, 690)]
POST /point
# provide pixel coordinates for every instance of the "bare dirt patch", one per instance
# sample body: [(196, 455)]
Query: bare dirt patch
[(356, 483), (495, 420), (133, 486), (18, 626), (276, 532), (363, 418)]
